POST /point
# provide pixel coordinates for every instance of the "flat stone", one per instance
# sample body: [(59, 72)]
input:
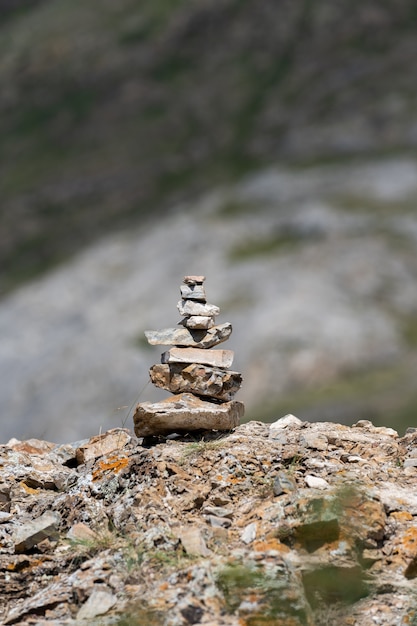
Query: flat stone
[(97, 604), (316, 441), (100, 445), (193, 541), (199, 379), (191, 307), (193, 292), (35, 531), (410, 462), (198, 322), (194, 280), (248, 534), (217, 358), (219, 522), (184, 413), (81, 532), (205, 338)]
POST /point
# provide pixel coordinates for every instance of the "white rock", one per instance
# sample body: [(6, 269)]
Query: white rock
[(284, 422), (315, 482), (97, 604), (248, 534)]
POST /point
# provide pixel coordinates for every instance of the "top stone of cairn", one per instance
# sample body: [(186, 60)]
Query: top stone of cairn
[(194, 280), (192, 288)]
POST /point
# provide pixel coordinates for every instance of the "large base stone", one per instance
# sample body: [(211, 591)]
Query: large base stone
[(198, 379), (184, 413)]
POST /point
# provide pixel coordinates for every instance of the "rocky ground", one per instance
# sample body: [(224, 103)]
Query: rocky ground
[(289, 523)]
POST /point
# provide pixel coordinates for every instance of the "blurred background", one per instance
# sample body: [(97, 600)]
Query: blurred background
[(269, 145)]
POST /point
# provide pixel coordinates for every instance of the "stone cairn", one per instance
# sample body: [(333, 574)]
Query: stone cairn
[(199, 377)]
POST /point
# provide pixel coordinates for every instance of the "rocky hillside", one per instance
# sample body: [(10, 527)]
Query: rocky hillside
[(111, 110), (290, 523)]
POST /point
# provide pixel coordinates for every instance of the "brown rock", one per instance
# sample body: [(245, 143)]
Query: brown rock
[(217, 358), (196, 378), (192, 541), (194, 280), (100, 445), (184, 413)]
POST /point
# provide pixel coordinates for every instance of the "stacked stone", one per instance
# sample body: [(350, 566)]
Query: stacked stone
[(198, 376)]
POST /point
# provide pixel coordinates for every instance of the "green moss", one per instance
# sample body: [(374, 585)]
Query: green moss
[(409, 330), (138, 615), (272, 244), (331, 584), (234, 208), (239, 581)]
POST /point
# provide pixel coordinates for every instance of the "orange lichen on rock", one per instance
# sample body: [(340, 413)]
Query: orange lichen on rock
[(113, 464)]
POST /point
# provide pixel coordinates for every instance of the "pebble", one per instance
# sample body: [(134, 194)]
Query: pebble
[(315, 482), (248, 534)]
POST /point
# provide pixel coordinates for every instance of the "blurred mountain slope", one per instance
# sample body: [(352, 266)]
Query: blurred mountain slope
[(316, 269), (112, 110)]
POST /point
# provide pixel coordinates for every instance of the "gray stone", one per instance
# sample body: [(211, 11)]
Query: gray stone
[(190, 307), (248, 534), (410, 462), (184, 413), (35, 531), (283, 483), (219, 522), (193, 292), (205, 338), (4, 497), (198, 322), (97, 604), (217, 358), (196, 378)]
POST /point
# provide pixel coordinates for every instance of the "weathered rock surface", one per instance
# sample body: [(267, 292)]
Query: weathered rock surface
[(189, 307), (198, 322), (206, 338), (185, 413), (216, 358), (196, 378), (193, 292), (259, 526)]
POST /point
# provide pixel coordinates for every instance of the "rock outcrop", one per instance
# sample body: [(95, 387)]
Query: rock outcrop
[(291, 523), (199, 375)]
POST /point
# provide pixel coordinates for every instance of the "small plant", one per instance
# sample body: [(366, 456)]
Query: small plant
[(267, 591), (198, 447)]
